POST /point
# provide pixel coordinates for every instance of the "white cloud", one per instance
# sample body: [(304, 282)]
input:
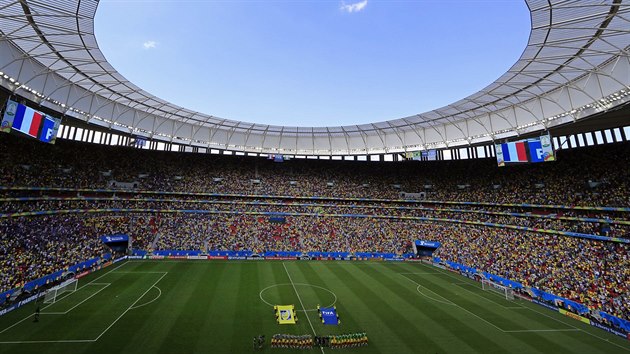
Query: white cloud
[(355, 7), (149, 44)]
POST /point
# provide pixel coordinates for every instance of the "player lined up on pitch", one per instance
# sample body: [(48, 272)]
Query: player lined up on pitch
[(292, 341), (352, 340)]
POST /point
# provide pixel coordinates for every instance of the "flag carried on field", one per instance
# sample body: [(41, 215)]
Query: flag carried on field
[(328, 315), (285, 314)]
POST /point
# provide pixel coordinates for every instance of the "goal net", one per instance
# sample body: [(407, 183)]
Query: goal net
[(489, 285), (53, 294)]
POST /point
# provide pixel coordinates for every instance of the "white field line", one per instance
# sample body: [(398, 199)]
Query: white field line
[(578, 329), (129, 308), (546, 315), (87, 340), (497, 327), (314, 286), (301, 303), (422, 273), (418, 286), (75, 306), (146, 303), (116, 268), (460, 282), (542, 330), (488, 299), (29, 316), (138, 272), (49, 341)]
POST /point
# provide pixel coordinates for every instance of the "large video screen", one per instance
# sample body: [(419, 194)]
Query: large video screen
[(26, 120), (427, 155), (525, 151)]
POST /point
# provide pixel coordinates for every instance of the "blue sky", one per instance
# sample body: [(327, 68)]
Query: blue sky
[(312, 63)]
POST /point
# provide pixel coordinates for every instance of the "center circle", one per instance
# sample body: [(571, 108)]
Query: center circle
[(262, 298)]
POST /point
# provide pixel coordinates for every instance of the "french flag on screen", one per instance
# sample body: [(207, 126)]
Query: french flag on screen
[(514, 152), (27, 120)]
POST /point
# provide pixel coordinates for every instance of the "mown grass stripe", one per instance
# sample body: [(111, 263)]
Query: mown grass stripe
[(360, 313), (225, 310), (183, 292), (544, 341), (434, 317), (500, 318), (365, 290), (313, 273)]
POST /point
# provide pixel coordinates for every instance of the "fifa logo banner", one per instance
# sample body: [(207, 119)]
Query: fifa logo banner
[(328, 315), (285, 314)]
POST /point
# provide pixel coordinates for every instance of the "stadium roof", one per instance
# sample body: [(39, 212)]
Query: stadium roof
[(576, 63)]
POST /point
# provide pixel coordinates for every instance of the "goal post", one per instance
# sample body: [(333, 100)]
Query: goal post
[(506, 291), (52, 295)]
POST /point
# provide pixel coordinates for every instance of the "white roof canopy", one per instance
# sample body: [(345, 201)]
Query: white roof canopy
[(576, 63)]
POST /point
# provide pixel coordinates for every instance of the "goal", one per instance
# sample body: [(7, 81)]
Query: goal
[(53, 294), (489, 285)]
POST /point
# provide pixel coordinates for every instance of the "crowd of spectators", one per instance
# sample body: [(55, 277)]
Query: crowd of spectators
[(565, 182), (592, 272), (34, 247), (613, 225), (595, 273)]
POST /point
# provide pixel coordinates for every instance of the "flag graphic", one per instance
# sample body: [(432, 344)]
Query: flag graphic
[(514, 152), (285, 314), (27, 120), (329, 315)]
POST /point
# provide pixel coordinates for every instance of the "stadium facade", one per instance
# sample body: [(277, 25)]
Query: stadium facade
[(575, 65)]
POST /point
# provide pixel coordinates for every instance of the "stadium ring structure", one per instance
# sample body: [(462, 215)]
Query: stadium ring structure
[(576, 64)]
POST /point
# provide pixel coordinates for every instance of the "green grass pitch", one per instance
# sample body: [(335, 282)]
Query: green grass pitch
[(218, 306)]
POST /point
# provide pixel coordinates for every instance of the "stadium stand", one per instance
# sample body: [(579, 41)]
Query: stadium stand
[(562, 183), (594, 273)]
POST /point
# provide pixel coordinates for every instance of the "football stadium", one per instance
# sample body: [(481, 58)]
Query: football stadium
[(496, 223)]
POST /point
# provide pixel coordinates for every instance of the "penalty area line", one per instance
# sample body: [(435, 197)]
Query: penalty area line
[(45, 307), (84, 300), (418, 286), (534, 310), (422, 273), (488, 299), (146, 303)]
